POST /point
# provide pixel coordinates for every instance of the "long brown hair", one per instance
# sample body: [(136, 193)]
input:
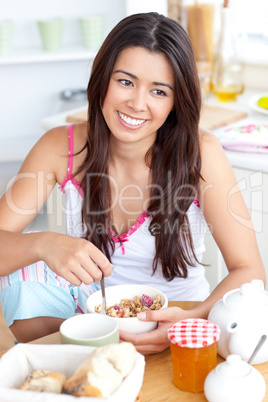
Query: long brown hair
[(174, 158)]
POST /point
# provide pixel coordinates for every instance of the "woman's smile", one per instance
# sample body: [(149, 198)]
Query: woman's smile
[(130, 122)]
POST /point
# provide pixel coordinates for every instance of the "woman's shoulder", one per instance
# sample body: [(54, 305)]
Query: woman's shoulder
[(207, 138), (59, 138), (56, 145), (210, 146), (213, 157)]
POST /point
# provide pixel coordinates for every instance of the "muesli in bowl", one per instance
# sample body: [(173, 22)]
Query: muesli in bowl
[(132, 307), (124, 302)]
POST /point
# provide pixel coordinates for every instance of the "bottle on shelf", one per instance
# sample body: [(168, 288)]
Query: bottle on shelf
[(198, 19), (227, 76)]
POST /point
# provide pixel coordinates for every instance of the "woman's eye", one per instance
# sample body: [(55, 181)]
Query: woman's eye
[(126, 83), (159, 92)]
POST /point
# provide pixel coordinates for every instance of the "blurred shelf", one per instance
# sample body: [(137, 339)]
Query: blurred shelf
[(37, 55)]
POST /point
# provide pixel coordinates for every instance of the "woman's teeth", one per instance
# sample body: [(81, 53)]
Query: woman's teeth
[(128, 120)]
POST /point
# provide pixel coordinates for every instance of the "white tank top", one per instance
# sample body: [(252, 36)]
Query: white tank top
[(133, 258)]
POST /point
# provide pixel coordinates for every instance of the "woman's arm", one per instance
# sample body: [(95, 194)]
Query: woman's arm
[(229, 221), (23, 200), (230, 224), (74, 259)]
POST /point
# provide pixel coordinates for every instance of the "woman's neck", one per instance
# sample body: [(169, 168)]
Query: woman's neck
[(128, 154)]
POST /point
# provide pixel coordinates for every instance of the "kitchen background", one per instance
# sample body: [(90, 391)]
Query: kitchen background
[(32, 79)]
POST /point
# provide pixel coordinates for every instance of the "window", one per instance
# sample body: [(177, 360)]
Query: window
[(252, 20)]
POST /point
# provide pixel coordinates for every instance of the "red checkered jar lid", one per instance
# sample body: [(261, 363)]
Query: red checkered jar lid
[(194, 333)]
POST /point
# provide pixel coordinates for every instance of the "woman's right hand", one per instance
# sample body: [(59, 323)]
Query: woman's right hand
[(75, 259)]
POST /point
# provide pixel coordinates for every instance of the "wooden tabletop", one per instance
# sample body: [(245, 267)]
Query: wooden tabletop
[(158, 378)]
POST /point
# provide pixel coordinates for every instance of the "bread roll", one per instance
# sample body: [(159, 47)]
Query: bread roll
[(44, 381), (103, 371)]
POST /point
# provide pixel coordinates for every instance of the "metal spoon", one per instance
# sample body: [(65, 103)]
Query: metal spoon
[(259, 345), (103, 310)]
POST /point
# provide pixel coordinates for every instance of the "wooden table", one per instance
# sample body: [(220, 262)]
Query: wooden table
[(158, 378)]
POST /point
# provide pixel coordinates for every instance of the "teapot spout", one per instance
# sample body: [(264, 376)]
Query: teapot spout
[(232, 327)]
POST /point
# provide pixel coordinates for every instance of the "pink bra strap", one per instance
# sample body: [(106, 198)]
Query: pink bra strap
[(71, 150), (70, 158)]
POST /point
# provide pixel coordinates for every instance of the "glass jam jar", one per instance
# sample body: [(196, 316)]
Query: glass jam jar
[(193, 345)]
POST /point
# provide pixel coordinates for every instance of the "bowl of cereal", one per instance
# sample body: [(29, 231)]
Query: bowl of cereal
[(124, 302)]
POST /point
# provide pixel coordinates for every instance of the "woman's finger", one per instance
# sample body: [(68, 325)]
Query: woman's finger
[(140, 339), (90, 269), (83, 275), (72, 278), (147, 343), (170, 314), (155, 337), (151, 349), (100, 259)]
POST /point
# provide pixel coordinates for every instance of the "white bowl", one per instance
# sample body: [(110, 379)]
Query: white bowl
[(114, 294)]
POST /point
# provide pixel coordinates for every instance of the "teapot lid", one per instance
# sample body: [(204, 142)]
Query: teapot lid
[(233, 367), (252, 293), (194, 333)]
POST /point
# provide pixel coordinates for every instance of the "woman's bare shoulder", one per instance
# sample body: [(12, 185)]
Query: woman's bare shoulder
[(213, 157), (210, 146), (61, 132), (207, 138), (55, 137), (53, 147), (59, 138)]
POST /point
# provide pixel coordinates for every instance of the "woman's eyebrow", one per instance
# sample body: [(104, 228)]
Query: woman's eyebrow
[(163, 84), (125, 72), (136, 78)]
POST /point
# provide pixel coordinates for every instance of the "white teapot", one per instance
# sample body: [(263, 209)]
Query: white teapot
[(242, 315), (234, 380)]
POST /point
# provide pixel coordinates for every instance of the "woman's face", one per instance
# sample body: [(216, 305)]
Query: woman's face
[(140, 96)]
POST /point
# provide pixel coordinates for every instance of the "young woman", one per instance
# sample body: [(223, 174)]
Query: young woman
[(142, 183)]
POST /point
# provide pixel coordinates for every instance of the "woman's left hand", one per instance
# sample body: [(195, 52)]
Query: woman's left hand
[(155, 341)]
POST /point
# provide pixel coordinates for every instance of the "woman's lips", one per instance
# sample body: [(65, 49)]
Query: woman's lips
[(130, 122)]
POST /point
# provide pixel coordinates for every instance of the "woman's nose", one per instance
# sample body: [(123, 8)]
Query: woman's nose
[(138, 100)]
